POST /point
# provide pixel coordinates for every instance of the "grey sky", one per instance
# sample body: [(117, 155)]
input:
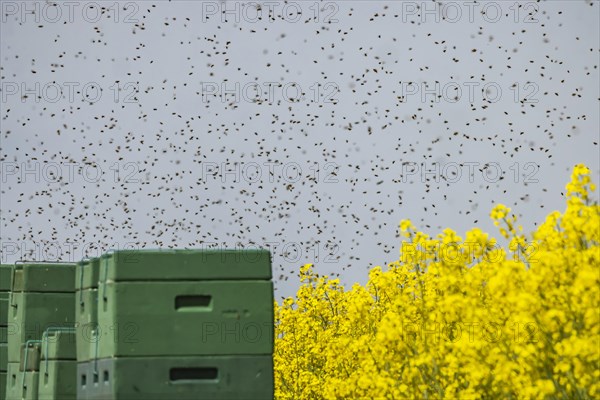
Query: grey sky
[(163, 122)]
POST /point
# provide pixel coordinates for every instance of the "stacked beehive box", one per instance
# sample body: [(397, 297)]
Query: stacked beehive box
[(181, 324), (23, 376), (86, 312), (42, 297), (139, 325), (58, 366), (5, 279)]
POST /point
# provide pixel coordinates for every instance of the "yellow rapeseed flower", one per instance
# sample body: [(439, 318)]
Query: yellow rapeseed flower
[(454, 318)]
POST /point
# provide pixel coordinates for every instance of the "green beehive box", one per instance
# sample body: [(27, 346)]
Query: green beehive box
[(33, 313), (86, 342), (47, 277), (21, 385), (179, 265), (84, 379), (86, 316), (185, 318), (30, 357), (17, 280), (198, 378), (4, 298), (3, 356), (4, 334), (2, 385), (59, 344), (5, 277), (58, 380), (87, 273), (86, 306), (13, 381)]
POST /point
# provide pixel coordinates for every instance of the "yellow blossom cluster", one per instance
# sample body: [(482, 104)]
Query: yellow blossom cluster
[(456, 318)]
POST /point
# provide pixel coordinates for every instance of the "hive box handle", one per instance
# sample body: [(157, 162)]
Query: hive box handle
[(199, 302), (193, 374)]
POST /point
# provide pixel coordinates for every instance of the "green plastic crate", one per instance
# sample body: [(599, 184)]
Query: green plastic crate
[(185, 318), (58, 380), (59, 344), (45, 277), (21, 385), (3, 357), (178, 265), (17, 280), (86, 306), (86, 321), (32, 313), (4, 299), (13, 380), (83, 379), (5, 277), (198, 378), (4, 309), (87, 273), (87, 338), (2, 385), (30, 356)]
